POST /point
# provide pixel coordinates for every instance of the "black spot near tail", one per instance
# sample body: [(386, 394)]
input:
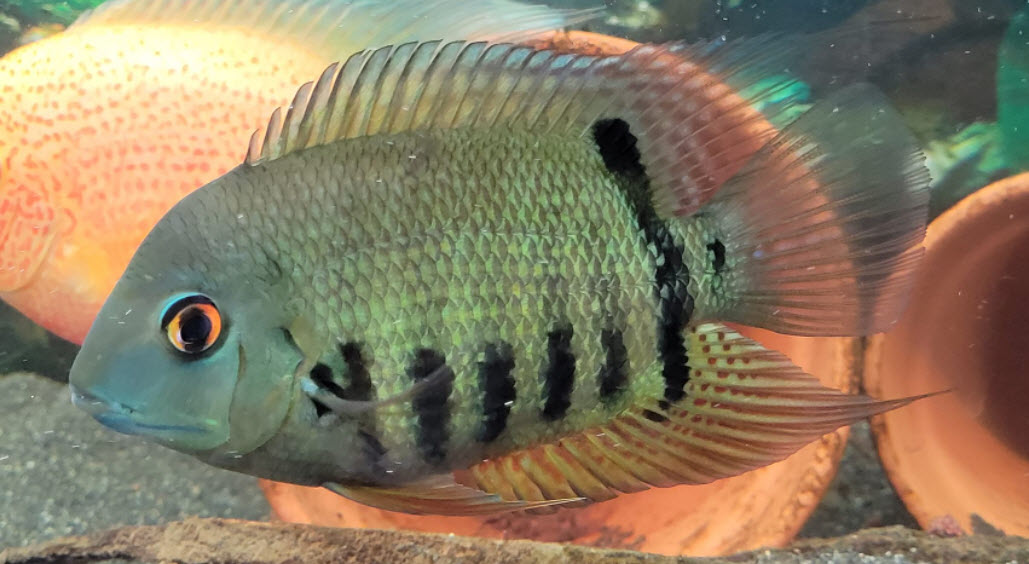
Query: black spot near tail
[(614, 374), (432, 405), (496, 379), (559, 373), (617, 146), (718, 250)]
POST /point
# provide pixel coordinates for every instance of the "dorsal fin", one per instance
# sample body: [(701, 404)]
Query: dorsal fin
[(338, 28), (682, 103)]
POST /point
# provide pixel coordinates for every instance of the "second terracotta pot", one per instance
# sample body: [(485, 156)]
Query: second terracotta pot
[(963, 458)]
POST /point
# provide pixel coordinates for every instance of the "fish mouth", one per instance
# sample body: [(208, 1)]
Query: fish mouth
[(88, 402), (120, 417)]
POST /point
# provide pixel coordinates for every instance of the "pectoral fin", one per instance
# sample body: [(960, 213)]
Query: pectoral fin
[(350, 408)]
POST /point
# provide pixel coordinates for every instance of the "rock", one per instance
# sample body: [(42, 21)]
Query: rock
[(901, 545), (63, 473), (197, 541)]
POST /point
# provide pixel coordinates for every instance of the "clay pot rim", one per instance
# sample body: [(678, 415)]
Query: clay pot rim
[(942, 229)]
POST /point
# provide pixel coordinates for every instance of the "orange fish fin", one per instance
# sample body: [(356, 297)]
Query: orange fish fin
[(439, 495), (821, 232), (28, 226), (745, 407), (688, 110), (338, 28)]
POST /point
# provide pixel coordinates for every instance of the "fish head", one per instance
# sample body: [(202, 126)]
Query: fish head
[(186, 358)]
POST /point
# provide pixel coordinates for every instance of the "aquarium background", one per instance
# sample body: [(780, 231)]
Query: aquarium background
[(61, 473)]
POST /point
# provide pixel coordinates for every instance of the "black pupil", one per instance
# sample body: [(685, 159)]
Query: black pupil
[(194, 330)]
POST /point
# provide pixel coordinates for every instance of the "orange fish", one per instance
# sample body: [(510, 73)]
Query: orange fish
[(104, 127)]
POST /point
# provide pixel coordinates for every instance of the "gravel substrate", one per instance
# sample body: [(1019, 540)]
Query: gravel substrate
[(62, 473)]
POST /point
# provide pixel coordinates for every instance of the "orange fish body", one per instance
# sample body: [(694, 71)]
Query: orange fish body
[(104, 127), (86, 173)]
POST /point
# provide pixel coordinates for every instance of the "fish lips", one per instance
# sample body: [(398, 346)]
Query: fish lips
[(121, 418)]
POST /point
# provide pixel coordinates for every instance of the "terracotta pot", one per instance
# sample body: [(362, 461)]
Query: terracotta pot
[(765, 507), (967, 452)]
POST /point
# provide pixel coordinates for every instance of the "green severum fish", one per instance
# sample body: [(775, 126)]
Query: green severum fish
[(463, 256)]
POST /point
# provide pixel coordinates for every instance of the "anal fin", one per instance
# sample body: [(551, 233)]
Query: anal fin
[(439, 495), (745, 407)]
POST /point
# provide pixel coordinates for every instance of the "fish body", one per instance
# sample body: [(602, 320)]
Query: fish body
[(105, 126), (465, 258), (422, 277)]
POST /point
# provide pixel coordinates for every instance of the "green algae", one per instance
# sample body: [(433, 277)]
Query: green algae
[(1013, 91), (37, 12)]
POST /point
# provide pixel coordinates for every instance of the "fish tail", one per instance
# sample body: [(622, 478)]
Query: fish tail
[(820, 233)]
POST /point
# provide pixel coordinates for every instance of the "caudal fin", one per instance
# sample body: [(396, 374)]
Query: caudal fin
[(822, 229)]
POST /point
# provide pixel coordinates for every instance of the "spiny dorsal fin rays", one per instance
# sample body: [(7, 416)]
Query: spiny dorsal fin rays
[(338, 28), (680, 101)]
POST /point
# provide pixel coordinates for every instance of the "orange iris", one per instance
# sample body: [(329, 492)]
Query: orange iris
[(193, 324)]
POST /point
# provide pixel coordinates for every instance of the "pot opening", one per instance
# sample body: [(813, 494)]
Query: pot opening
[(964, 330)]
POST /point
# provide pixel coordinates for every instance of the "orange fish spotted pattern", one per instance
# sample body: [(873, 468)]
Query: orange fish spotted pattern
[(106, 126)]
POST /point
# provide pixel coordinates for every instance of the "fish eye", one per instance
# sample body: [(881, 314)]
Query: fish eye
[(192, 324)]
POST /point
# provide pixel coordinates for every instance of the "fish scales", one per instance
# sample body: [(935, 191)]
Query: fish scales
[(431, 244)]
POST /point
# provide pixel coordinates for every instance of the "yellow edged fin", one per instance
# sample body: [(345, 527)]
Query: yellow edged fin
[(745, 407), (683, 104), (338, 28), (439, 495)]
